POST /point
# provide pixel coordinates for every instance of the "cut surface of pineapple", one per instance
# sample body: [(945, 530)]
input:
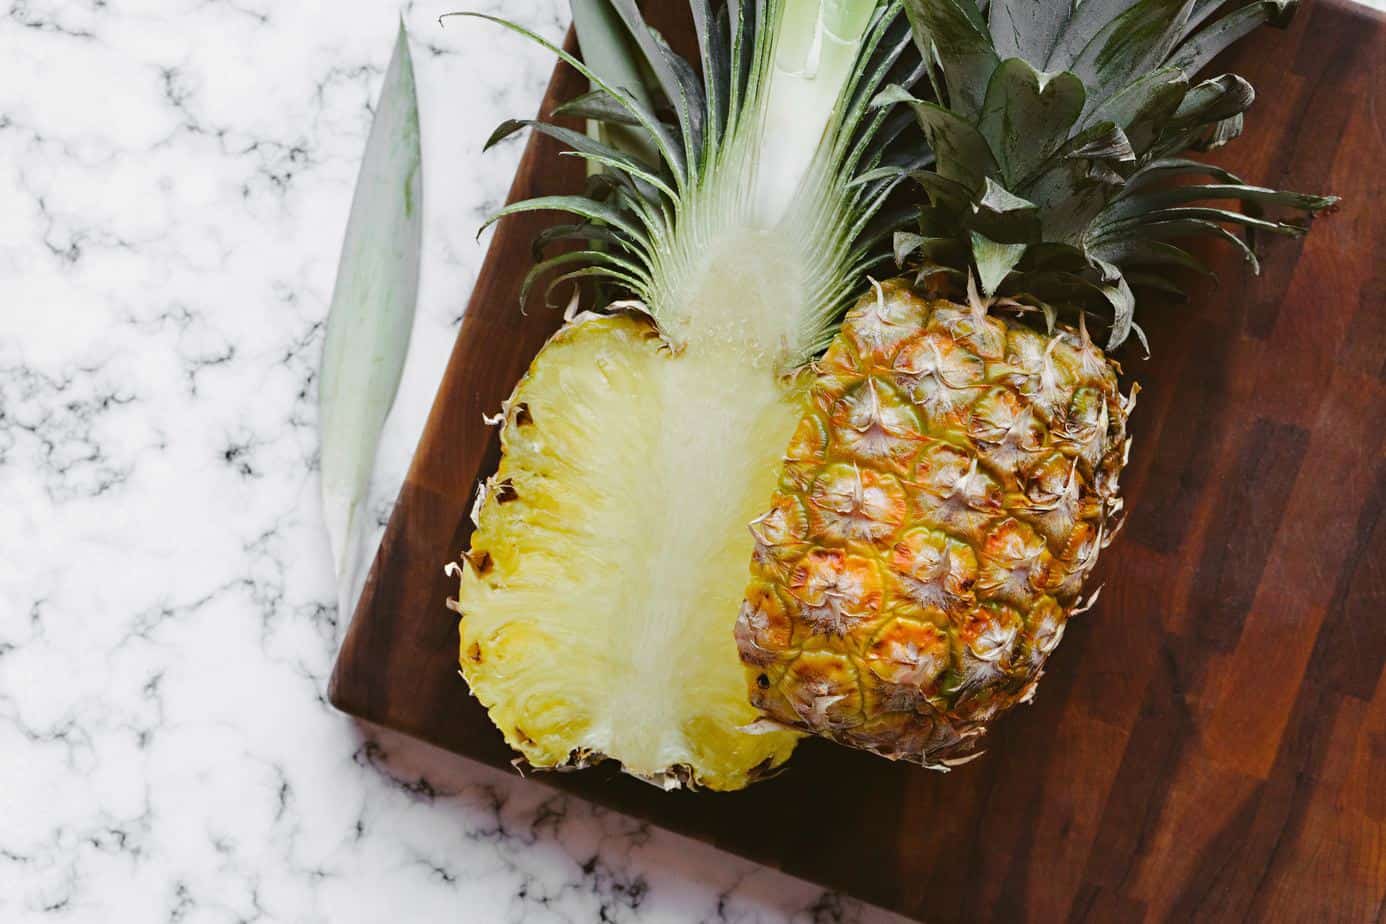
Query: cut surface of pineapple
[(605, 575)]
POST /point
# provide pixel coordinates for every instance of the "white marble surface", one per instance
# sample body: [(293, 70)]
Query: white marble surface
[(174, 181)]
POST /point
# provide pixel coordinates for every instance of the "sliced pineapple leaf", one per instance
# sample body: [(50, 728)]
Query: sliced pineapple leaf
[(712, 49), (672, 73), (582, 231), (994, 261), (644, 188), (608, 49), (882, 48), (585, 146), (575, 205), (670, 150), (600, 258), (597, 105), (372, 312), (959, 36), (1027, 115), (589, 272)]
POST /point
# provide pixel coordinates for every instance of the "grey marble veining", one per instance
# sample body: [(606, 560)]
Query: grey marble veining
[(174, 180)]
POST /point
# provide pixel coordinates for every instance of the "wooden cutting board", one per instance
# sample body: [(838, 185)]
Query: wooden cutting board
[(1210, 741)]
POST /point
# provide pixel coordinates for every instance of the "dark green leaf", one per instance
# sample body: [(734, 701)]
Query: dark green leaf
[(959, 36), (607, 47), (583, 231), (1027, 29), (576, 205), (1145, 105), (1140, 203), (594, 258), (1175, 228), (597, 105), (1135, 252), (1086, 20), (994, 261), (944, 192), (1201, 48), (1157, 282), (667, 149), (1026, 116), (963, 154), (1133, 43), (665, 65)]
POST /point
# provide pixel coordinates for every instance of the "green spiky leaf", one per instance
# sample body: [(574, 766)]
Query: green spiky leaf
[(1026, 115)]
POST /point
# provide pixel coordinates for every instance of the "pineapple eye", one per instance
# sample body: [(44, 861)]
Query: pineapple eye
[(522, 415), (474, 652), (505, 492)]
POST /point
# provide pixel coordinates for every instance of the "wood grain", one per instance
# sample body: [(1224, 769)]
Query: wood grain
[(1210, 741)]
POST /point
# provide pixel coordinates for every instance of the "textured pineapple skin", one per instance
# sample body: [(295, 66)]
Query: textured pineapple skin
[(945, 495)]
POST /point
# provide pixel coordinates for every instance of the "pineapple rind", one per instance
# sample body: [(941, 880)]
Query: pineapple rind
[(946, 492), (603, 578)]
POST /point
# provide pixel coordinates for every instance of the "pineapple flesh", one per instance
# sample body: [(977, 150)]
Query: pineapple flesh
[(594, 620), (944, 495)]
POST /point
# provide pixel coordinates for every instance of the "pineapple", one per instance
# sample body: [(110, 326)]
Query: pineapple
[(735, 210), (954, 472)]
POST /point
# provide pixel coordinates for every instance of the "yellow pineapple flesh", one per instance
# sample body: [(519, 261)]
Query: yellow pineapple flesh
[(946, 492), (603, 579)]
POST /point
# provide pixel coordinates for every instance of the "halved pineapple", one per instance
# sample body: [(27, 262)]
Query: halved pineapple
[(601, 588), (596, 620)]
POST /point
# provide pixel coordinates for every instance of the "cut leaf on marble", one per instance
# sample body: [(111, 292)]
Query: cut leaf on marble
[(372, 313)]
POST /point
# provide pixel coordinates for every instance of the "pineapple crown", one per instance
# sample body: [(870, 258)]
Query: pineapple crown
[(775, 131), (1056, 128)]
